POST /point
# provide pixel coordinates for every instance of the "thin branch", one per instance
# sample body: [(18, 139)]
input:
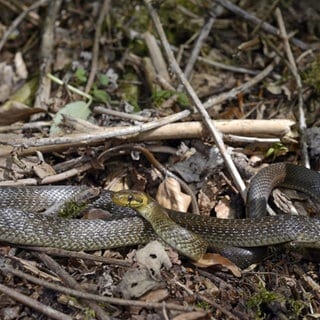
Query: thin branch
[(19, 19), (98, 137), (240, 89), (47, 47), (95, 297), (295, 73), (70, 282), (206, 118), (196, 50), (254, 20), (34, 304), (95, 50)]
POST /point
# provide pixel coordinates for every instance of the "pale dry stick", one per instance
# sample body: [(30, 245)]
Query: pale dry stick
[(183, 130), (206, 118), (248, 140), (95, 49), (163, 83), (264, 25), (79, 255), (119, 114), (34, 304), (98, 298), (231, 94), (19, 19), (156, 56), (227, 67), (19, 182), (49, 179), (100, 136), (295, 73), (196, 50), (67, 174), (46, 56), (38, 125), (70, 282)]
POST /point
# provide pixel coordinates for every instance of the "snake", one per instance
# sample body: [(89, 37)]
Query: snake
[(23, 224)]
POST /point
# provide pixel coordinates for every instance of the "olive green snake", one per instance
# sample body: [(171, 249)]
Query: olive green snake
[(21, 224)]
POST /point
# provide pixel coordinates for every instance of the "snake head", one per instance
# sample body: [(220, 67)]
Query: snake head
[(130, 198)]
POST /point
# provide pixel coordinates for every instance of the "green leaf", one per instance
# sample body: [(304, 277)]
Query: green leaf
[(77, 109), (81, 75), (183, 100), (103, 79), (100, 95)]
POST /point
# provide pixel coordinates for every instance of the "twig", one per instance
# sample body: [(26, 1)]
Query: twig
[(295, 73), (211, 302), (119, 114), (79, 255), (156, 56), (227, 66), (47, 45), (39, 125), (265, 16), (101, 136), (240, 89), (206, 118), (70, 282), (264, 25), (71, 88), (34, 304), (184, 130), (231, 138), (196, 50), (76, 293), (95, 50), (19, 19)]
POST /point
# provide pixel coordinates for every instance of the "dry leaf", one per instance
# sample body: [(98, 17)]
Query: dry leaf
[(213, 259), (194, 315), (223, 209), (170, 196), (43, 170), (13, 111)]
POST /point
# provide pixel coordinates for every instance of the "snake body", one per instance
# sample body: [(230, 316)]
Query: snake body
[(20, 223)]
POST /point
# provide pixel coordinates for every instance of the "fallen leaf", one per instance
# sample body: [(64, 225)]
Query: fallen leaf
[(170, 196), (13, 111), (213, 259)]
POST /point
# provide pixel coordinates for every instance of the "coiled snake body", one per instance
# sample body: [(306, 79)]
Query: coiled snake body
[(20, 223)]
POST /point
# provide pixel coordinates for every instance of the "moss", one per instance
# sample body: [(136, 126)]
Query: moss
[(311, 76), (71, 209), (259, 303)]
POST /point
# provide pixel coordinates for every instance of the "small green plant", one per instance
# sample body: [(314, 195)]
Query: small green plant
[(263, 297), (162, 95), (276, 150), (80, 75), (99, 95)]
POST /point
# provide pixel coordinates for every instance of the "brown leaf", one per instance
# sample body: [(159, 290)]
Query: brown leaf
[(170, 196), (13, 111), (194, 315), (212, 259)]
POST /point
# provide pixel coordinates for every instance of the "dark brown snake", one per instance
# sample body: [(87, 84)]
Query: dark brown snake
[(21, 224)]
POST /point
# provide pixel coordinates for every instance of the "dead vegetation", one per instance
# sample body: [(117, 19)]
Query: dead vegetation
[(120, 94)]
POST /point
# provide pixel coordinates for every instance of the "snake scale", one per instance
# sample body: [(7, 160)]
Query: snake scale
[(21, 224)]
